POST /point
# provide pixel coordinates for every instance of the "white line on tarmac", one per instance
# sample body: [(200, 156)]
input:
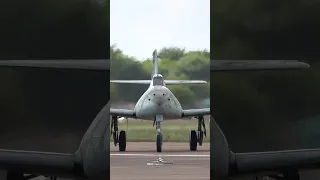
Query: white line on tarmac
[(165, 155)]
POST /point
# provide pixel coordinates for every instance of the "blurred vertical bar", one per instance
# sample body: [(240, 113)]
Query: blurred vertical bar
[(266, 110), (46, 109)]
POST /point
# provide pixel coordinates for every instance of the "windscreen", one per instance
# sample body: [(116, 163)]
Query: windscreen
[(157, 81)]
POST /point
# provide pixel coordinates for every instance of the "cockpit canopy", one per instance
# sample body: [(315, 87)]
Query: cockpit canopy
[(157, 80)]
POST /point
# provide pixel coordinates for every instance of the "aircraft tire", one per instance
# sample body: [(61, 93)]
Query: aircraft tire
[(159, 142), (122, 141), (193, 141)]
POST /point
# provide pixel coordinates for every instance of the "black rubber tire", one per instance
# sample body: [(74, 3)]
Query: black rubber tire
[(159, 143), (200, 138), (193, 141), (122, 141)]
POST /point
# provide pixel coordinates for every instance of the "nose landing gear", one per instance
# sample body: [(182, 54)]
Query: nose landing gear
[(157, 121), (159, 139)]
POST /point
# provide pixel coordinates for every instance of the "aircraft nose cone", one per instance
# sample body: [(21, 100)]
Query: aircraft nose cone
[(158, 101)]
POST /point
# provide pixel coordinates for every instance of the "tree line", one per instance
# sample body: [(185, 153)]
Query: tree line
[(175, 64)]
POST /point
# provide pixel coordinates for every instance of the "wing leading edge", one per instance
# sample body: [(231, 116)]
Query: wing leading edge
[(38, 162), (90, 64), (185, 113), (275, 161), (167, 82), (195, 112), (232, 65), (122, 113)]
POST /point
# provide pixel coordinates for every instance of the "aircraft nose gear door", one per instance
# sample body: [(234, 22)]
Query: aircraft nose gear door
[(118, 138)]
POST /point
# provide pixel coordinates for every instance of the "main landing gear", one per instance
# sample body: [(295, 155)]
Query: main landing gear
[(118, 138), (197, 137), (194, 139)]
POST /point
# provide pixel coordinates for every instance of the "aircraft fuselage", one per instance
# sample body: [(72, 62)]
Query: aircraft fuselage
[(158, 100)]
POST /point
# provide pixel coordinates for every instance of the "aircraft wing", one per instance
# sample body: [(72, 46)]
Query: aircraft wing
[(131, 81), (122, 112), (231, 65), (275, 161), (90, 64), (174, 82), (167, 82), (227, 164), (90, 161), (195, 112), (35, 162)]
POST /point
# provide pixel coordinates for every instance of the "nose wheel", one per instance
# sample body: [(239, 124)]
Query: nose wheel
[(159, 138), (157, 121), (197, 137), (118, 138), (159, 142)]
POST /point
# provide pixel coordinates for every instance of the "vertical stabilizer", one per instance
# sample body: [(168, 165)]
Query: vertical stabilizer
[(155, 63)]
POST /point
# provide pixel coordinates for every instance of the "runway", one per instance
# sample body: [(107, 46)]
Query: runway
[(133, 164)]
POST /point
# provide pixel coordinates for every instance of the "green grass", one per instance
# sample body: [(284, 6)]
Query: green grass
[(172, 130)]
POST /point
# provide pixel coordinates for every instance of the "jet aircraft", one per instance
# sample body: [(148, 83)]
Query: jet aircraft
[(88, 161), (159, 104)]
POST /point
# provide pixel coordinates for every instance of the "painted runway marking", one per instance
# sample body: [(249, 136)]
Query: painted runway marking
[(165, 155)]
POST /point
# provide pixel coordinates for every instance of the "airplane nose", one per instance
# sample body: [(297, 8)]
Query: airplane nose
[(158, 101)]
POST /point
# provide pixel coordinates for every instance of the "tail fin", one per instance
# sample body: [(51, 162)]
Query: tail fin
[(155, 63)]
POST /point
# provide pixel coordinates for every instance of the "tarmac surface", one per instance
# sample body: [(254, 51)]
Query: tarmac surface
[(135, 163)]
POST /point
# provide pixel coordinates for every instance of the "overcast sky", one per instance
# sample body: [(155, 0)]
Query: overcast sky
[(139, 26)]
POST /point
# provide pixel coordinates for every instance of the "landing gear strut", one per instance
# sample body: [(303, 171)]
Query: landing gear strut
[(159, 138), (159, 135), (118, 138), (197, 137)]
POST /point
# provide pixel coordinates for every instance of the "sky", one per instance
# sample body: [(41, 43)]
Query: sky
[(137, 27)]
